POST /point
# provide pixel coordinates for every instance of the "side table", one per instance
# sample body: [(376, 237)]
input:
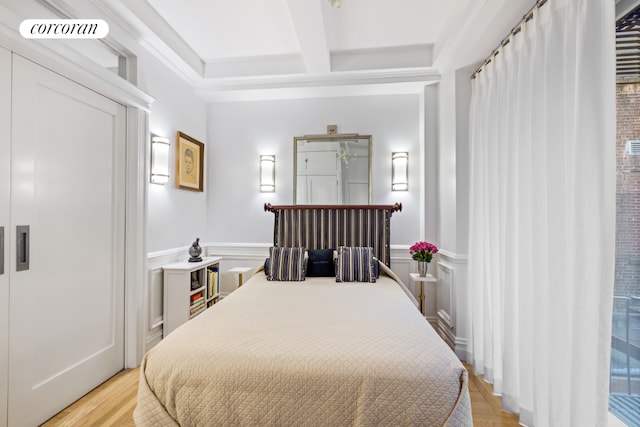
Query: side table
[(239, 271), (422, 279)]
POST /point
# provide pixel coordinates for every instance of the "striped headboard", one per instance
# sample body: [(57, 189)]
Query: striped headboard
[(330, 226)]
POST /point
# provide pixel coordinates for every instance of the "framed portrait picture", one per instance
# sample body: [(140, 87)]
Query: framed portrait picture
[(189, 163)]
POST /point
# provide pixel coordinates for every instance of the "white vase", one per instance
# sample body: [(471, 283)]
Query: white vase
[(422, 268)]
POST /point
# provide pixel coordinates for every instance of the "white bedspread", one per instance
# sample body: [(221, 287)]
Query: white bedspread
[(312, 353)]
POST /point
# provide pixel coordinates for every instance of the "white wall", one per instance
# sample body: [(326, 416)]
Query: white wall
[(430, 164), (463, 156), (453, 157), (238, 132), (175, 217), (453, 164), (447, 163)]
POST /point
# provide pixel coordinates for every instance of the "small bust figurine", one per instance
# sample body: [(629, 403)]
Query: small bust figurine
[(195, 250)]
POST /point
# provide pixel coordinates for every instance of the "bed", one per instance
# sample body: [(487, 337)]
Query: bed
[(316, 352)]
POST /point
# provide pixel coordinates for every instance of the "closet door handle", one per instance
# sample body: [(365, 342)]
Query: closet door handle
[(22, 247), (1, 250)]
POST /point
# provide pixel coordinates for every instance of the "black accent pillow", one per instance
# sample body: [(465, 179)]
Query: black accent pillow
[(320, 263), (266, 266), (376, 268)]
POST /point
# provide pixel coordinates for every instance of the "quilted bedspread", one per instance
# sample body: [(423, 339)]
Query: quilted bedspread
[(311, 353)]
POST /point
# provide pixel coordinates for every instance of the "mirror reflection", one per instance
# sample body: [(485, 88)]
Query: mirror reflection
[(332, 169)]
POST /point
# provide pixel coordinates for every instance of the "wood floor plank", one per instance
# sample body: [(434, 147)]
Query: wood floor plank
[(485, 406), (112, 404)]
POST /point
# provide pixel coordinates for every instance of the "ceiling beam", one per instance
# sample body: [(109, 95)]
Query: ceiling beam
[(308, 23)]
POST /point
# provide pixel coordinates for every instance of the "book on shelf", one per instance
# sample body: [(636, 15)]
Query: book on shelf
[(194, 312), (213, 301), (196, 280), (197, 298), (212, 284), (197, 306)]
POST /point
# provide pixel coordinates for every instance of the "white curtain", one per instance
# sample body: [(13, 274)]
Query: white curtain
[(542, 227)]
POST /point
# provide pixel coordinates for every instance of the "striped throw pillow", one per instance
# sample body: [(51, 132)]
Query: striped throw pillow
[(355, 264), (286, 264)]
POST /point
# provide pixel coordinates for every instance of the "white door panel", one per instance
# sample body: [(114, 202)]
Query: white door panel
[(66, 316), (301, 190), (321, 160), (323, 189), (5, 170)]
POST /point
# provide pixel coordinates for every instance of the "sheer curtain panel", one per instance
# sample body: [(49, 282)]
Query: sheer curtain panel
[(542, 228)]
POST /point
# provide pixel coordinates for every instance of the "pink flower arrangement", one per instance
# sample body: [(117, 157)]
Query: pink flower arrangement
[(423, 251)]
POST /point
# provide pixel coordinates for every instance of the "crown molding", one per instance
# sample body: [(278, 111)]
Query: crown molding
[(337, 84)]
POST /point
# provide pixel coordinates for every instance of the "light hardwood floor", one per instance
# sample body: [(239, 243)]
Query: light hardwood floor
[(485, 406), (112, 404)]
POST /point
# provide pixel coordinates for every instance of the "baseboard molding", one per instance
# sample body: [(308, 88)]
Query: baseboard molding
[(153, 339), (461, 348)]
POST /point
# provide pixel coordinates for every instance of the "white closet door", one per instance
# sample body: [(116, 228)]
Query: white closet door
[(66, 332), (5, 169)]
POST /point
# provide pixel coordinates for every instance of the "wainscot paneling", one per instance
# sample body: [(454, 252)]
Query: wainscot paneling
[(154, 293), (403, 265), (253, 255), (250, 255), (442, 300), (446, 303), (452, 324), (153, 331)]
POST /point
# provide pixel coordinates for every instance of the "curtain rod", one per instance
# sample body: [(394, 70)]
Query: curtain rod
[(515, 30)]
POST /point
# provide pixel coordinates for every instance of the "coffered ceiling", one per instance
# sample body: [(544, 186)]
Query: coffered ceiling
[(252, 49), (257, 48), (261, 49)]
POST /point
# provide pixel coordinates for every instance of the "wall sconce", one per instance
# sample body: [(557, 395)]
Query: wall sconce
[(159, 159), (267, 174), (400, 171)]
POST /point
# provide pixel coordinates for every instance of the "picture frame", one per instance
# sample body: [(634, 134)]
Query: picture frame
[(189, 163)]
